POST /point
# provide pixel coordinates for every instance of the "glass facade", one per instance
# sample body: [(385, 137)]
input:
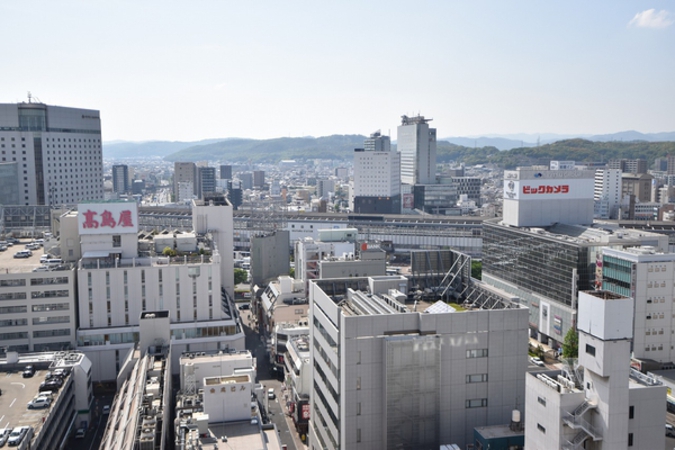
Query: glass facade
[(616, 275), (538, 263)]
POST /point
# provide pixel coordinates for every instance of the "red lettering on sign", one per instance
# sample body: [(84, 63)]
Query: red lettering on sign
[(89, 221), (125, 219), (305, 411), (546, 189), (107, 219)]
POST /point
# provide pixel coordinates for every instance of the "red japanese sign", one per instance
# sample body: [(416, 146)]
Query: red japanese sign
[(108, 218), (559, 189), (305, 411)]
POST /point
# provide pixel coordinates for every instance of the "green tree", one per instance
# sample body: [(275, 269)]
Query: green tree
[(571, 344), (168, 251), (292, 272), (476, 269), (240, 276)]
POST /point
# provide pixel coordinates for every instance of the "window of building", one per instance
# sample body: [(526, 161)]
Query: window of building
[(477, 378), (590, 350), (541, 428), (477, 353), (630, 439), (116, 240), (631, 412), (541, 400), (476, 403)]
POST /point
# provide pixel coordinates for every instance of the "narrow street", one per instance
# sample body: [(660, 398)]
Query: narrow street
[(276, 408)]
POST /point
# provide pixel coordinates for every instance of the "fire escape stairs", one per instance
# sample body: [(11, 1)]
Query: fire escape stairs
[(575, 421)]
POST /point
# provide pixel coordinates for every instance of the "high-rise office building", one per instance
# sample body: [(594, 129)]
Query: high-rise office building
[(207, 181), (628, 165), (184, 172), (377, 177), (246, 179), (225, 172), (120, 178), (417, 145), (607, 193), (258, 178), (324, 188), (57, 151)]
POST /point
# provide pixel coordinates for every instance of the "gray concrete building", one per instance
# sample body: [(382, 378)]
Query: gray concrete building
[(390, 374), (57, 151)]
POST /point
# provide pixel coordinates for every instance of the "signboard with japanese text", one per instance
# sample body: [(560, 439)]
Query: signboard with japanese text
[(107, 218), (547, 189), (408, 201)]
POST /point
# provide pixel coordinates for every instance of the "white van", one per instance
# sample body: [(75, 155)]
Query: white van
[(53, 262)]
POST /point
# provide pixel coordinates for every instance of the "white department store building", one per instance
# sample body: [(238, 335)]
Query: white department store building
[(121, 274)]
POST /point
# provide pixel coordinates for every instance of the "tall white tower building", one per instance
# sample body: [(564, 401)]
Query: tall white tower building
[(57, 151), (603, 403), (377, 177), (417, 144), (607, 193)]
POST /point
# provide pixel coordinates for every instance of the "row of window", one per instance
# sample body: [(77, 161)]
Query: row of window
[(36, 334)]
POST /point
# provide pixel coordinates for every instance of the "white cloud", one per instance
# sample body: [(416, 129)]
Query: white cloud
[(651, 18)]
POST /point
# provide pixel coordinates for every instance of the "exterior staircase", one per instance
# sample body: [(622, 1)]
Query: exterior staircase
[(576, 421)]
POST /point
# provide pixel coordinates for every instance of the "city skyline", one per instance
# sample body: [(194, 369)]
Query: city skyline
[(165, 71)]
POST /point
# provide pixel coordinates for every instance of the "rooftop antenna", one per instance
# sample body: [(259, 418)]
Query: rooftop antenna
[(30, 97)]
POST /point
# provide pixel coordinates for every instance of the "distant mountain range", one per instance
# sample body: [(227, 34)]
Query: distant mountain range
[(507, 142), (342, 146)]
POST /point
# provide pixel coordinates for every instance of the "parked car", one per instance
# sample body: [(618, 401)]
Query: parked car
[(537, 361), (270, 394), (17, 435), (39, 402), (45, 257), (28, 372), (106, 409), (4, 435), (51, 385), (23, 254), (244, 306), (670, 430), (80, 433), (3, 248)]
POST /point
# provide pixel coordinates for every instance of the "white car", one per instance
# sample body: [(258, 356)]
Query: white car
[(270, 394), (536, 361), (4, 435), (17, 435), (40, 402)]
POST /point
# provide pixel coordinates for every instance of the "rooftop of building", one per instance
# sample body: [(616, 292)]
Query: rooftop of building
[(500, 431), (17, 390), (570, 381), (355, 298), (598, 233), (10, 263), (201, 357)]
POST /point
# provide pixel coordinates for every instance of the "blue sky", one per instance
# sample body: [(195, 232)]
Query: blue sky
[(202, 69)]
